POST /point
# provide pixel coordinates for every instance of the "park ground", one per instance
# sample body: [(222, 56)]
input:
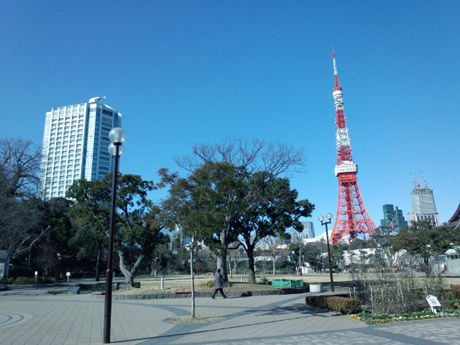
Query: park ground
[(179, 283), (31, 315), (175, 283)]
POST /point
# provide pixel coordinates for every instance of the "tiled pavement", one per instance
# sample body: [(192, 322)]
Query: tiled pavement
[(281, 319)]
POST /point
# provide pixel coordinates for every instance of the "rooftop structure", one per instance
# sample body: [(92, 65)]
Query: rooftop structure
[(423, 206)]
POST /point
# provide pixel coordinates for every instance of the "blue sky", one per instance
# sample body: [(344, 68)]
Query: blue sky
[(188, 72)]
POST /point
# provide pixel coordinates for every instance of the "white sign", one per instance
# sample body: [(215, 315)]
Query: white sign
[(433, 302)]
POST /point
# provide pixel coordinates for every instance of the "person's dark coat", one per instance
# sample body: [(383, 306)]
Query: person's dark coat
[(220, 281)]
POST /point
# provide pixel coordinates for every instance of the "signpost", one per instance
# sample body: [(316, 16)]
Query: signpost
[(434, 303)]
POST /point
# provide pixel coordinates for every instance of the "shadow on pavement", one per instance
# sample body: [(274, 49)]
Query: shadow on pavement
[(207, 331), (298, 308)]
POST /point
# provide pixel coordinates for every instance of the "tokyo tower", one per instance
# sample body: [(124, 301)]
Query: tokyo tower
[(352, 217)]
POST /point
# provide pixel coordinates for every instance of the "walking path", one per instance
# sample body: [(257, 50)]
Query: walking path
[(35, 318)]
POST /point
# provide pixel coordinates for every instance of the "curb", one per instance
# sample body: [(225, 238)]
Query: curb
[(209, 294)]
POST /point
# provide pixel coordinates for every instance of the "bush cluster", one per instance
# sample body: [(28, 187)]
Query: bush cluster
[(30, 280), (455, 289), (264, 281), (209, 284), (342, 305), (7, 280)]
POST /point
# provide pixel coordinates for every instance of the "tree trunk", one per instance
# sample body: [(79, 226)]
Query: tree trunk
[(126, 273), (222, 254), (154, 271), (21, 248), (426, 261), (98, 259), (274, 266), (153, 268), (222, 264), (192, 280), (129, 274), (251, 265)]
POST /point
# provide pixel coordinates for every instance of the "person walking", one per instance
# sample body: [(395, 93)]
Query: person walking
[(219, 284)]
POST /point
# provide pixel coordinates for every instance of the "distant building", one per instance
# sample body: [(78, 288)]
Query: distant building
[(453, 261), (4, 264), (308, 230), (423, 206), (319, 238), (75, 142), (455, 219), (392, 217), (180, 238)]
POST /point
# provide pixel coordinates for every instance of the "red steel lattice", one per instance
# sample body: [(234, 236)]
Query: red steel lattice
[(352, 217)]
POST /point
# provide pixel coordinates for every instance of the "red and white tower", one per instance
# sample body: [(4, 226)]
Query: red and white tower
[(352, 216)]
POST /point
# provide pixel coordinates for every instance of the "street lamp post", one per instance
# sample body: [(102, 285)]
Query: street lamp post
[(300, 256), (321, 219), (293, 260), (117, 136), (58, 269)]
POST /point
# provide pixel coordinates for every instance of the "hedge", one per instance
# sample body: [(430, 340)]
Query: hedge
[(339, 304)]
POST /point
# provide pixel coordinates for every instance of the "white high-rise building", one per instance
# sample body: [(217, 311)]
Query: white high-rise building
[(423, 206), (308, 230), (75, 143)]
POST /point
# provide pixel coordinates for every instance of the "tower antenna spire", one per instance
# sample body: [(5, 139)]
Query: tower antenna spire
[(336, 76)]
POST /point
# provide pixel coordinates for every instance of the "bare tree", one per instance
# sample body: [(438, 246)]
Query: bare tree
[(275, 250), (20, 214), (19, 167), (254, 155), (23, 226)]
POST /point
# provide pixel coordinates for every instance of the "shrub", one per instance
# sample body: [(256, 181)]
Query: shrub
[(7, 280), (339, 304), (455, 304), (344, 305), (264, 281), (31, 280), (24, 280), (316, 301), (209, 284), (455, 289)]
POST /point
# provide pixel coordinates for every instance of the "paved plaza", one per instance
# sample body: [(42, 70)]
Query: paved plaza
[(35, 317)]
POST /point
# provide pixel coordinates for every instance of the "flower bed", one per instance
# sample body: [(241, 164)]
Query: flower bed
[(385, 318)]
